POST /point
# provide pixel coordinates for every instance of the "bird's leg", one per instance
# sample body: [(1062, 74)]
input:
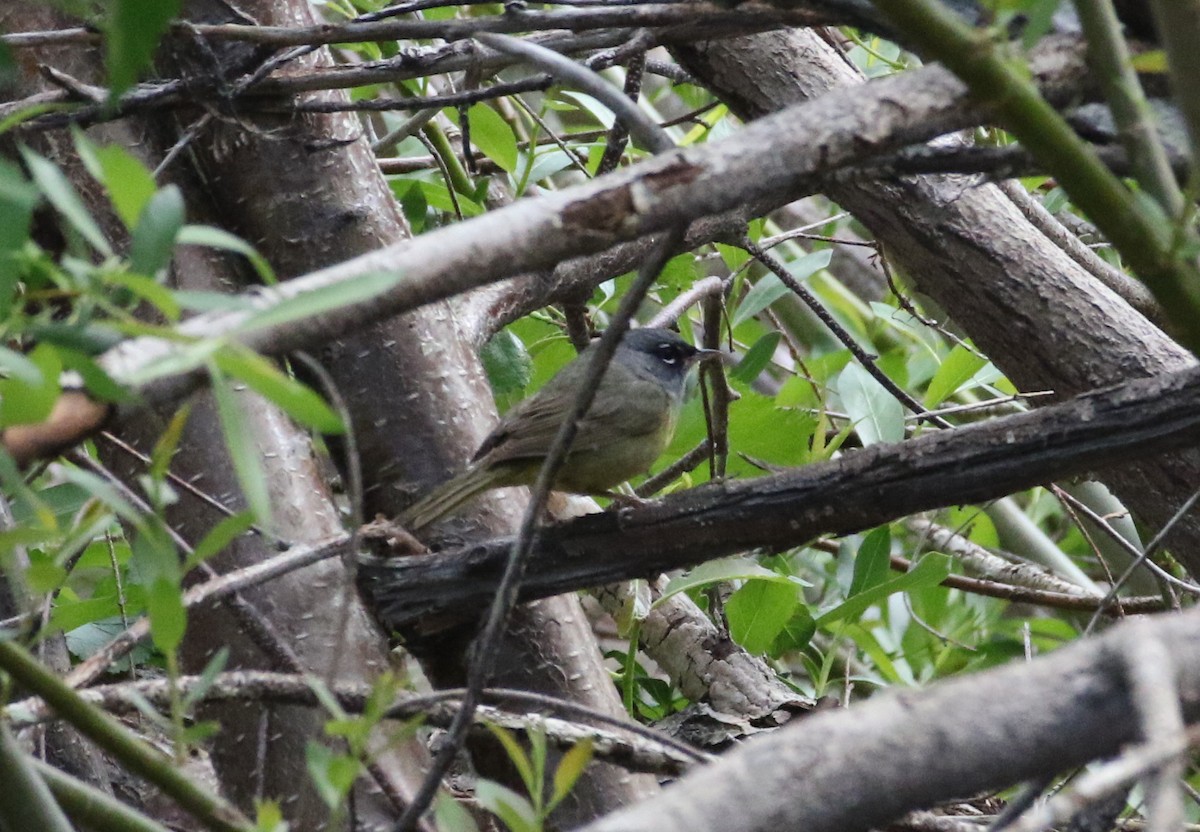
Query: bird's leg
[(622, 500)]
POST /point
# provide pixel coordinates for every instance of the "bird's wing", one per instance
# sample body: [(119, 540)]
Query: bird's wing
[(540, 416)]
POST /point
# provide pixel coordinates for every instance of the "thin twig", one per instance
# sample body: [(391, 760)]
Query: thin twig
[(1041, 597), (483, 652), (1144, 557), (865, 359), (217, 589), (640, 126)]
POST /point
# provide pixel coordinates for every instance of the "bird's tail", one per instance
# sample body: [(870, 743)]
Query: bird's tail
[(447, 497)]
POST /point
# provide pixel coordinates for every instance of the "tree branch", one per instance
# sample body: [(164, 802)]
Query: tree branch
[(857, 491), (863, 766)]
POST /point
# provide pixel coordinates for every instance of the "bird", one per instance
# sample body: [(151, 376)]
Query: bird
[(627, 427)]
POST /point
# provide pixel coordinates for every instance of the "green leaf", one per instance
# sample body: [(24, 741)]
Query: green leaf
[(154, 557), (517, 755), (156, 231), (733, 256), (770, 288), (437, 195), (86, 640), (358, 289), (101, 490), (209, 237), (211, 301), (65, 199), (18, 197), (42, 574), (71, 616), (1039, 19), (168, 443), (958, 368), (492, 135), (25, 400), (289, 395), (757, 357), (131, 36), (592, 106), (414, 205), (130, 185), (723, 570), (88, 338), (168, 618), (570, 767), (269, 817), (761, 295), (332, 773), (507, 363), (209, 675), (183, 358), (802, 268), (874, 412), (151, 291), (796, 634), (242, 450), (99, 383), (16, 366), (513, 810), (759, 611), (1154, 60), (451, 816), (873, 561), (932, 569), (218, 537), (680, 272)]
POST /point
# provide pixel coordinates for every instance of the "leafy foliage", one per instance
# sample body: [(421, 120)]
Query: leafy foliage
[(86, 265)]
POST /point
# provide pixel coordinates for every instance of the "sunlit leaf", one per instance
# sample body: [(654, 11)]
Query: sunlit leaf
[(723, 570), (516, 754), (332, 773), (932, 569), (130, 184), (875, 413), (569, 770), (289, 395), (757, 357), (493, 135), (958, 368), (758, 612), (873, 561), (451, 816)]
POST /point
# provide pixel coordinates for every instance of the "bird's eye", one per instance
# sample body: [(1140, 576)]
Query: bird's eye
[(667, 353)]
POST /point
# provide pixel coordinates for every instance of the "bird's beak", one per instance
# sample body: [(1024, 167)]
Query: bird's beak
[(707, 355)]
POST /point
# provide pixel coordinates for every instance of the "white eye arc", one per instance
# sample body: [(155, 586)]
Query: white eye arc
[(667, 353)]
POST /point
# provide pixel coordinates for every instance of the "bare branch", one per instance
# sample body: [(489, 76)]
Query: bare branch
[(868, 764), (857, 491)]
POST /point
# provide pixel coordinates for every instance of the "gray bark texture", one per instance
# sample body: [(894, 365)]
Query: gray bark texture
[(294, 624), (307, 193)]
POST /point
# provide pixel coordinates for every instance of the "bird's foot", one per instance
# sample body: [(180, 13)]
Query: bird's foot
[(620, 501)]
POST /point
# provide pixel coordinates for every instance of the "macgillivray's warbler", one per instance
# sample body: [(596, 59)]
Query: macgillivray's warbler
[(627, 427)]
